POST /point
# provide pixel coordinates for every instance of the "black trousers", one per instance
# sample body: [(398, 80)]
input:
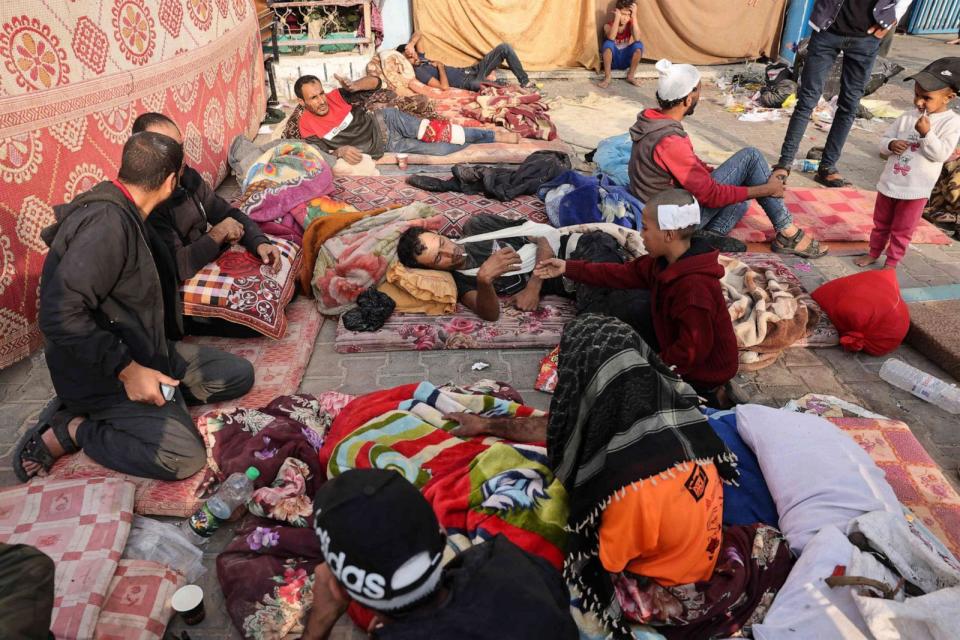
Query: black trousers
[(26, 592), (162, 442)]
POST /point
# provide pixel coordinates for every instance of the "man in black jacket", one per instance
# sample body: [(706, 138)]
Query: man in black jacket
[(102, 317), (197, 225)]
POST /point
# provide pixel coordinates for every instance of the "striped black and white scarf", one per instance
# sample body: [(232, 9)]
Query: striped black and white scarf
[(619, 418)]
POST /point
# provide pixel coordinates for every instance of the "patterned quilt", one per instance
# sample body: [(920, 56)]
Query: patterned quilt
[(83, 526), (463, 330), (371, 192), (138, 603), (837, 215), (73, 76)]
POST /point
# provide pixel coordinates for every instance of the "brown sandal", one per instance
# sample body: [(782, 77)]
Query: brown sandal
[(788, 244)]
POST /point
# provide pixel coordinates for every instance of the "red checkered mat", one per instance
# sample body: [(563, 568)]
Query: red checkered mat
[(138, 603), (833, 215), (371, 192), (83, 526)]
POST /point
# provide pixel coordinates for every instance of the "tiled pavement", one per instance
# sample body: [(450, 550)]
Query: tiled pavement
[(25, 386)]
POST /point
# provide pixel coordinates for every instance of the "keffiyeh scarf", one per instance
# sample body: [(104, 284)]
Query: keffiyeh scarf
[(619, 418)]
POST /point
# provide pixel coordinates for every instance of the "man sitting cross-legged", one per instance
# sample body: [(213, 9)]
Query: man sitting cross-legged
[(434, 73), (102, 318), (336, 123), (663, 158), (197, 225)]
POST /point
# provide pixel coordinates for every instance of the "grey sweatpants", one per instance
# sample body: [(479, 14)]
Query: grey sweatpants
[(26, 592), (162, 442)]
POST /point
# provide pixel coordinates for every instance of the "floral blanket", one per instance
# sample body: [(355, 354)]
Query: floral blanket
[(478, 487), (282, 179), (357, 258), (518, 110)]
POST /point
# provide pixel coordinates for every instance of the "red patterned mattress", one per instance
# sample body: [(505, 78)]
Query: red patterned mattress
[(73, 76)]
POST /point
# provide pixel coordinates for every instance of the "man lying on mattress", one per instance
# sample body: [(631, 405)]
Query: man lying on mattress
[(337, 123), (485, 267)]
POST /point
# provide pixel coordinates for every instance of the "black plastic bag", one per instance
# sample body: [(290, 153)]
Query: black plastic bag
[(883, 70), (372, 310)]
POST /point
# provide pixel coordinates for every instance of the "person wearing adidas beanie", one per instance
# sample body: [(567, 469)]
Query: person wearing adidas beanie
[(384, 549)]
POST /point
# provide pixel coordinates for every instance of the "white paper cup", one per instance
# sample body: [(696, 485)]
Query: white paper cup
[(402, 160), (188, 602)]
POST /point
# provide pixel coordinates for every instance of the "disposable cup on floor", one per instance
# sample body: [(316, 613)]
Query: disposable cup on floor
[(188, 602), (402, 160)]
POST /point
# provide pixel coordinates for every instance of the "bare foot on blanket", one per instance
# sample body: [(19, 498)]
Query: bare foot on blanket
[(506, 136), (635, 81), (865, 261), (603, 84)]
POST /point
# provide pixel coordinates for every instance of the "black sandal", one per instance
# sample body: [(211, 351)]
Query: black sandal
[(835, 183), (31, 447), (788, 244)]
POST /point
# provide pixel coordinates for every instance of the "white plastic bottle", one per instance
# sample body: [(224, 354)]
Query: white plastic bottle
[(234, 492), (921, 384), (805, 165)]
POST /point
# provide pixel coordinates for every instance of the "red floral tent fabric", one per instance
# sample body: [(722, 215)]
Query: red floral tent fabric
[(73, 76)]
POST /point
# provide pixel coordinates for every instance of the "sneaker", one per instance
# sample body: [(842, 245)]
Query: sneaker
[(722, 243)]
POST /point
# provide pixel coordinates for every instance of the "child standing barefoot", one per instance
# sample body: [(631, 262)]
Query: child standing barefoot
[(916, 149)]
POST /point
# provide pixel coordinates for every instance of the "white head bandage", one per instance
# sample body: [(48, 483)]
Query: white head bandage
[(678, 216), (676, 80)]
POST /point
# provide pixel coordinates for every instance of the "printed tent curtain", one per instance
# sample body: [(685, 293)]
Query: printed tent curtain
[(547, 34), (73, 76)]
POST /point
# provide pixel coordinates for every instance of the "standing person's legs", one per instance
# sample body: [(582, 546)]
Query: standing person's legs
[(490, 62), (403, 130), (906, 216), (145, 440), (859, 54), (883, 211), (26, 592), (213, 375), (822, 52)]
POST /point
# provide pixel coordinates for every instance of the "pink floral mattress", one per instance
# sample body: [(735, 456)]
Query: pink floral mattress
[(83, 526), (463, 330)]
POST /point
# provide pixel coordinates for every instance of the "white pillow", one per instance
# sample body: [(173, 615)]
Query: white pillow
[(805, 607), (817, 474)]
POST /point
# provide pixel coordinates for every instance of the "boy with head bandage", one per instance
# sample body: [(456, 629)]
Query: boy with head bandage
[(692, 328)]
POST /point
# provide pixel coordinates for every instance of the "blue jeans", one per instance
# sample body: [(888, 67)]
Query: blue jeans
[(859, 55), (491, 62), (745, 168), (402, 129), (621, 57)]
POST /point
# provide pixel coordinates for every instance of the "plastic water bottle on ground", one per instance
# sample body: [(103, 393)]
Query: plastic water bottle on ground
[(805, 165), (234, 492), (921, 384)]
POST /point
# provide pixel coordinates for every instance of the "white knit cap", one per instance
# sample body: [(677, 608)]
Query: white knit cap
[(676, 80)]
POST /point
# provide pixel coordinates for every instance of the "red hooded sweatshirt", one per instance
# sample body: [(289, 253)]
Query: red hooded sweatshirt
[(690, 316)]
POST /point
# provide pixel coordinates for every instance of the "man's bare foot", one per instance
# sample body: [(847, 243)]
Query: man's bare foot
[(865, 261), (603, 84), (506, 136), (954, 41), (635, 81), (53, 446)]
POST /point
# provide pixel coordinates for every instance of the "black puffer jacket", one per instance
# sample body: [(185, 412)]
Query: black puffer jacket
[(101, 302)]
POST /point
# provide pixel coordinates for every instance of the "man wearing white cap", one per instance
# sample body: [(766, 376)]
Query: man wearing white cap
[(663, 158)]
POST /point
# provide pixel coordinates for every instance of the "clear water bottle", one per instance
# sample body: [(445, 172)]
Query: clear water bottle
[(805, 165), (234, 492), (921, 384)]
